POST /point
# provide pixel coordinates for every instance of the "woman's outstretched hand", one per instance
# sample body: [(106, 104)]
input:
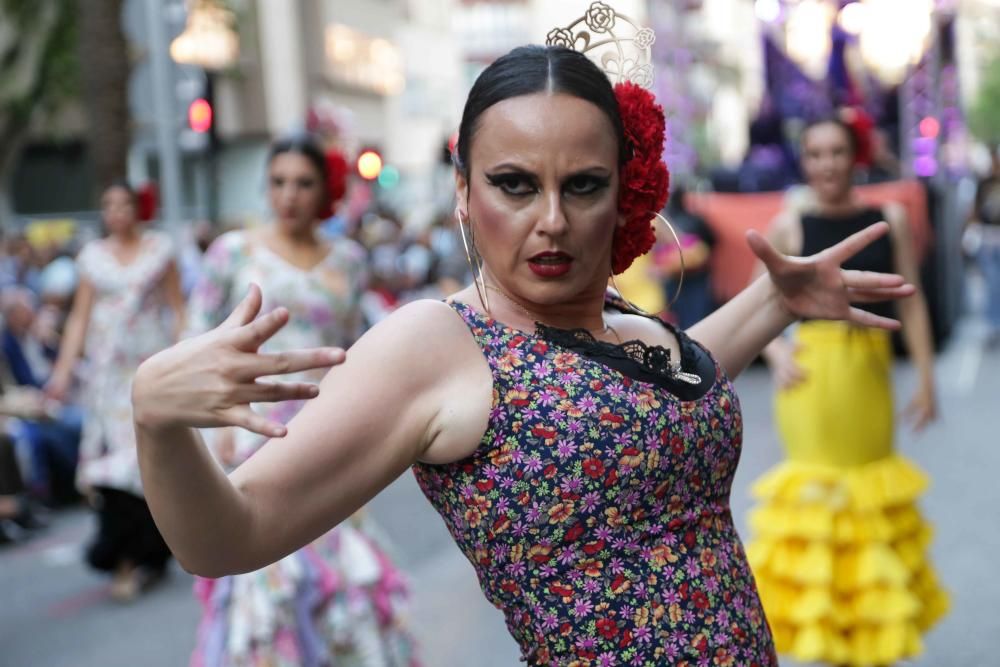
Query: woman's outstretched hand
[(210, 380), (816, 287)]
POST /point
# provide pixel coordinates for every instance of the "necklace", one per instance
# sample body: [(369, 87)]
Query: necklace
[(535, 318)]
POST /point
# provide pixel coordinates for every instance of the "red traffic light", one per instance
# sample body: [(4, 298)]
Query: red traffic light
[(369, 165), (200, 115)]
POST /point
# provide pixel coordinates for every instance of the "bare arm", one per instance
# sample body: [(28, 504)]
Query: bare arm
[(73, 339), (378, 412), (796, 287), (738, 331), (175, 298), (915, 319), (756, 311)]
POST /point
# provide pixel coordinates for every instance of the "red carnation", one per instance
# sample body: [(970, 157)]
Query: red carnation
[(336, 181), (645, 180), (146, 197), (645, 126)]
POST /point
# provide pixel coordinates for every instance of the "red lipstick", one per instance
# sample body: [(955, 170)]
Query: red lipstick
[(550, 264)]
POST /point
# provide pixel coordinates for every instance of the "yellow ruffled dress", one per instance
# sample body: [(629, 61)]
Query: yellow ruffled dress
[(840, 548)]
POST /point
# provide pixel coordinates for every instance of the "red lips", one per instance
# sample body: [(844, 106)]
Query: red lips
[(550, 264)]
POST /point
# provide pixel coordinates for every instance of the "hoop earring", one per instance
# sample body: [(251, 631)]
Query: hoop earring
[(475, 267), (680, 253), (635, 308), (680, 282)]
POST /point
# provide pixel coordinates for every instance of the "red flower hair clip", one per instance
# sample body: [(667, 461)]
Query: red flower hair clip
[(147, 197), (336, 181), (645, 180)]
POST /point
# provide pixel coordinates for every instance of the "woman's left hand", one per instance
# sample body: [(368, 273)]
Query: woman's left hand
[(922, 408), (816, 287)]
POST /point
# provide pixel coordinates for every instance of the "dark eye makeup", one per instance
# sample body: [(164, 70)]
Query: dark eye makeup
[(519, 184)]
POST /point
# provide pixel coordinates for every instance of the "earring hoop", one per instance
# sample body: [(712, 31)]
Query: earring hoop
[(680, 282), (680, 253), (476, 267), (635, 309)]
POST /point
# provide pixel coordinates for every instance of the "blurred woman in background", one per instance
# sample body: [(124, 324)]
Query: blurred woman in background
[(127, 307), (840, 546), (337, 601)]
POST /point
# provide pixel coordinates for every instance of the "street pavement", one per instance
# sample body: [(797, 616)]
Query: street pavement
[(56, 613)]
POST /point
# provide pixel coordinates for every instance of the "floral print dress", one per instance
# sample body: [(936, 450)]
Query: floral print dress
[(339, 601), (129, 322), (596, 508)]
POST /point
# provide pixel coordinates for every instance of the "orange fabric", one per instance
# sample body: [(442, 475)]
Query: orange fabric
[(731, 215)]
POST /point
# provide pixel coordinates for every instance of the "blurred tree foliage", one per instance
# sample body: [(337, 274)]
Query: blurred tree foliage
[(984, 114), (104, 50), (38, 74)]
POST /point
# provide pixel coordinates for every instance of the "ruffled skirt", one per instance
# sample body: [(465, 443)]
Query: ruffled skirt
[(840, 549), (339, 602)]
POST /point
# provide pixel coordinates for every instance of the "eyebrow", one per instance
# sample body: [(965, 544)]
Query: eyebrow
[(594, 169)]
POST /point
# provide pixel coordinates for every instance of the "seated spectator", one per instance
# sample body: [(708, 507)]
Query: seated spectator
[(50, 434), (18, 515)]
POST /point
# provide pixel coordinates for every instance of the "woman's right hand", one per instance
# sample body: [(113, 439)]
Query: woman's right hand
[(780, 357), (57, 388), (210, 380)]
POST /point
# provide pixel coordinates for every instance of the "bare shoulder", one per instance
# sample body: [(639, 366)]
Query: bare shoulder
[(429, 350), (424, 324)]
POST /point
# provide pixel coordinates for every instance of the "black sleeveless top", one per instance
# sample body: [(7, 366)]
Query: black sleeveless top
[(820, 232)]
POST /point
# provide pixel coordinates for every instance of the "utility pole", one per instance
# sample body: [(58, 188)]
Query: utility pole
[(164, 114)]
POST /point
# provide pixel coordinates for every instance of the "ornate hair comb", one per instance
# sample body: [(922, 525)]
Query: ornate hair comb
[(614, 41)]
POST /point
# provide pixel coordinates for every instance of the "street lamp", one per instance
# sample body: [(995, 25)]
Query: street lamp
[(208, 40), (893, 36)]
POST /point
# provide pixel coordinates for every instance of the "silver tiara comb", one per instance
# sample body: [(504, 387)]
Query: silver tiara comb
[(615, 42)]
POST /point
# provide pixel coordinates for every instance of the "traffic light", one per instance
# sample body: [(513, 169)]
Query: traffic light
[(369, 164), (196, 110), (200, 115)]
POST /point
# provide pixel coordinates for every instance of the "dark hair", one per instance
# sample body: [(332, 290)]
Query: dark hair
[(852, 138), (305, 145), (533, 69)]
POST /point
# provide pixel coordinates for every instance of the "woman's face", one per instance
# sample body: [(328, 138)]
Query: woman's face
[(542, 195), (295, 191), (827, 161), (118, 210)]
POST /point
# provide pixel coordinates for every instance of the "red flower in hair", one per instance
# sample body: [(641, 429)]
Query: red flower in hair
[(645, 180), (336, 181), (863, 127), (146, 197)]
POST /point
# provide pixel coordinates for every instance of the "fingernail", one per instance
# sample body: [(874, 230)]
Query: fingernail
[(314, 390)]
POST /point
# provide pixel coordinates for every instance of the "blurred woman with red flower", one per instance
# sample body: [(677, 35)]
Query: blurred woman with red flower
[(128, 306), (339, 599)]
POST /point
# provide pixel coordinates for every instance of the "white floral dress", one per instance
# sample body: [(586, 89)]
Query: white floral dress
[(339, 600), (129, 322)]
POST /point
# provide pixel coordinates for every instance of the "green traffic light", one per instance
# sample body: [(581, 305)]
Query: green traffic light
[(389, 177)]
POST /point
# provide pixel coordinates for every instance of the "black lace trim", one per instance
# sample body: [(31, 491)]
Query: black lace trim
[(638, 360), (654, 359)]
